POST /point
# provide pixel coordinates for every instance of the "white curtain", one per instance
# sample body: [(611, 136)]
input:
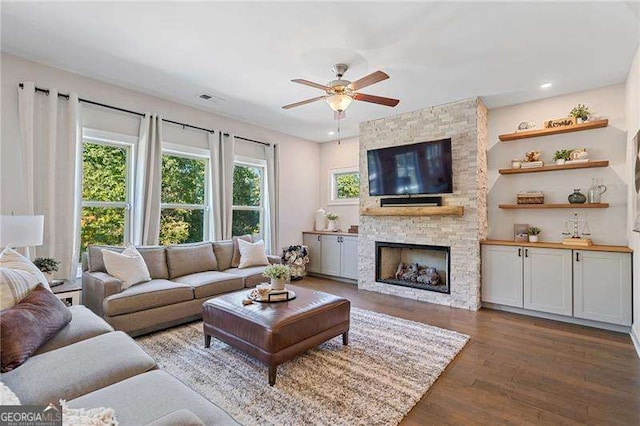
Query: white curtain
[(148, 182), (271, 220), (222, 152), (51, 149), (215, 216)]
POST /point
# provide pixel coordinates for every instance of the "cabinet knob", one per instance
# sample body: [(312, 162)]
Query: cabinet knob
[(526, 252), (577, 256), (519, 252), (318, 237)]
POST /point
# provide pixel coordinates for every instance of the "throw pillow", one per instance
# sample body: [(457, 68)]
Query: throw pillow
[(7, 397), (15, 285), (252, 254), (235, 260), (128, 266), (27, 325), (87, 416), (9, 258)]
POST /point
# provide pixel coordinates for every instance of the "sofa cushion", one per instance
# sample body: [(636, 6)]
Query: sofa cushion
[(235, 260), (154, 256), (78, 369), (128, 266), (210, 283), (151, 294), (252, 276), (224, 253), (29, 324), (188, 259), (145, 398), (182, 417), (95, 261), (84, 325)]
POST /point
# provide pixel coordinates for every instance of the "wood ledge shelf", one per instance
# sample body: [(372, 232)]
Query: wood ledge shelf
[(338, 233), (551, 168), (554, 206), (596, 124), (617, 249), (414, 211)]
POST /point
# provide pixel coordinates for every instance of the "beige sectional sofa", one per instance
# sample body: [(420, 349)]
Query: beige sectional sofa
[(182, 277), (90, 365)]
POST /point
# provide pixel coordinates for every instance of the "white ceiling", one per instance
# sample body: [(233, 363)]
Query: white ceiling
[(246, 53)]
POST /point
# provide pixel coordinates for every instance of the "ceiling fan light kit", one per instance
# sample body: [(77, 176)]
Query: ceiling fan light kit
[(339, 103)]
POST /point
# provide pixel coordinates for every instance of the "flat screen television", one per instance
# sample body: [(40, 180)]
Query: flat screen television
[(420, 168)]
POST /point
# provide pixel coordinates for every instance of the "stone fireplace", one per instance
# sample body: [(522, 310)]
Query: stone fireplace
[(465, 122)]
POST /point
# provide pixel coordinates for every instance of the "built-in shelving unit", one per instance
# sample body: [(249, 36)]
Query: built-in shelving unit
[(413, 211), (588, 165), (589, 125), (555, 206)]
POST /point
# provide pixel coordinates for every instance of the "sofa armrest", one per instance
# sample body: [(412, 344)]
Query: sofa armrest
[(274, 259), (97, 286), (181, 417)]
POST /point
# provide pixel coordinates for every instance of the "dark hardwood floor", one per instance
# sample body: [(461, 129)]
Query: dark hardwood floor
[(517, 369)]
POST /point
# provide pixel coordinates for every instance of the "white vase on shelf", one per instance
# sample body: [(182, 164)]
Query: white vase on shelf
[(320, 219), (277, 283), (533, 238), (331, 225)]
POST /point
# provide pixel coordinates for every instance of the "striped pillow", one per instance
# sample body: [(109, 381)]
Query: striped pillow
[(15, 285), (9, 258)]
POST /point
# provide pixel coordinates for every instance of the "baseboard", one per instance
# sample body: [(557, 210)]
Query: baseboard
[(635, 337)]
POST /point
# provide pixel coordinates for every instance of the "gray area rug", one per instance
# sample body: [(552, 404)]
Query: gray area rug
[(376, 380)]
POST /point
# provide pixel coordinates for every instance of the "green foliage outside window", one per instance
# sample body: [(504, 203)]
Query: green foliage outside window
[(347, 185), (247, 191)]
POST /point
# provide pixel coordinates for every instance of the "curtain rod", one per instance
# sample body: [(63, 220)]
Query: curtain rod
[(140, 114)]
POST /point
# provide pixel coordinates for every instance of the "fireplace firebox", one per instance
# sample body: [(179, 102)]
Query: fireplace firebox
[(424, 267)]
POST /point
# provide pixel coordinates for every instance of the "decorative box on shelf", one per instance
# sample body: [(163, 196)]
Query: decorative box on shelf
[(533, 197)]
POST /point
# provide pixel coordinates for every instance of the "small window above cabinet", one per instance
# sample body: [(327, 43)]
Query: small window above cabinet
[(344, 186)]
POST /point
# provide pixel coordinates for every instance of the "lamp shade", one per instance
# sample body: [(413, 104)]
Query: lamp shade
[(339, 103), (21, 231)]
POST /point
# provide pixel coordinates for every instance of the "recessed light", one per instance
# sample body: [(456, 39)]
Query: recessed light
[(545, 85), (332, 133)]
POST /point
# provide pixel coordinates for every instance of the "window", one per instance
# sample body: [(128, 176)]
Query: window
[(184, 199), (107, 163), (248, 197), (344, 185)]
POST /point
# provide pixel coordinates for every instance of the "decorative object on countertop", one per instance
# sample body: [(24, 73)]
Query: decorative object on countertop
[(279, 275), (47, 265), (561, 156), (530, 197), (581, 113), (516, 163), (577, 197), (320, 219), (575, 227), (353, 229), (533, 233), (520, 232), (332, 217), (296, 257), (560, 122), (594, 195), (526, 125), (578, 156)]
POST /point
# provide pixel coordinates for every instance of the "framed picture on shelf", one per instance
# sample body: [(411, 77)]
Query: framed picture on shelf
[(520, 232)]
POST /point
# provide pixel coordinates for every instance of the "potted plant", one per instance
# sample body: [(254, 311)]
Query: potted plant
[(533, 232), (581, 113), (561, 156), (279, 275), (47, 265), (332, 217)]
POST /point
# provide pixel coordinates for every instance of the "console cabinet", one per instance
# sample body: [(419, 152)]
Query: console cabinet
[(314, 245), (330, 254)]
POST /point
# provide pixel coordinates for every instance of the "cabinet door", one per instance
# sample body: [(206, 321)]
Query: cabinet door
[(314, 244), (547, 280), (349, 258), (502, 275), (602, 286), (331, 255)]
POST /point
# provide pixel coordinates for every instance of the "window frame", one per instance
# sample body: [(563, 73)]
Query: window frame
[(333, 199), (261, 164)]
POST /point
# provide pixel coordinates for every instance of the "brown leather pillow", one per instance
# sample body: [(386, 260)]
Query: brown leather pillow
[(29, 324), (235, 260)]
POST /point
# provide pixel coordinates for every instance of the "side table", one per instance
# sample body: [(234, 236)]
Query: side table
[(69, 292)]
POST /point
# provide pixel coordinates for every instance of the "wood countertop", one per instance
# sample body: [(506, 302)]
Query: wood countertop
[(595, 247), (341, 233)]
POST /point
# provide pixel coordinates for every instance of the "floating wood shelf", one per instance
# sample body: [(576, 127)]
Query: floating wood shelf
[(554, 131), (589, 165), (555, 206), (543, 244), (414, 211)]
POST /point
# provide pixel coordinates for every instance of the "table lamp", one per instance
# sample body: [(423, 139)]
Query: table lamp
[(21, 231)]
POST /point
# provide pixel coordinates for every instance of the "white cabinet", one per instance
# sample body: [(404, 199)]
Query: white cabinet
[(349, 257), (502, 275), (547, 280), (314, 245), (331, 256), (602, 286)]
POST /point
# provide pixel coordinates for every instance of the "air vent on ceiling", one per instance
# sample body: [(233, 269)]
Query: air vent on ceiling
[(210, 98)]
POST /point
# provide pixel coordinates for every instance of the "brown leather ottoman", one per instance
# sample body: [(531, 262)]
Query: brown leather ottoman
[(276, 332)]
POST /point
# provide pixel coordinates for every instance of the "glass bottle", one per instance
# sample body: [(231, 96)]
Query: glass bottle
[(594, 196)]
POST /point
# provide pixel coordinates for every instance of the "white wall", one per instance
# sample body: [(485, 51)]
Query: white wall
[(608, 226), (299, 159), (334, 156)]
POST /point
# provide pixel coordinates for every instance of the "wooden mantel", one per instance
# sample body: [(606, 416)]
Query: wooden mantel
[(413, 211)]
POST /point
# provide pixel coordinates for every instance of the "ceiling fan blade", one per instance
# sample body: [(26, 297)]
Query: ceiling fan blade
[(368, 80), (308, 101), (311, 83), (376, 99)]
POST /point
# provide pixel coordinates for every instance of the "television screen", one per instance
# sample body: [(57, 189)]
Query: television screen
[(421, 168)]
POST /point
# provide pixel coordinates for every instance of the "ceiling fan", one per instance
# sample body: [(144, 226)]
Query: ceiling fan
[(340, 93)]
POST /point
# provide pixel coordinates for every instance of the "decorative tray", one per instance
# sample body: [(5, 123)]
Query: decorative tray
[(272, 296)]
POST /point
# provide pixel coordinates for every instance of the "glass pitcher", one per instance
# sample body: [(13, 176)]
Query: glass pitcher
[(594, 195)]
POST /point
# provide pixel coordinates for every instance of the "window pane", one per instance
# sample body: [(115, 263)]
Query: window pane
[(246, 222), (182, 180), (102, 226), (181, 226), (247, 186), (347, 185), (104, 172)]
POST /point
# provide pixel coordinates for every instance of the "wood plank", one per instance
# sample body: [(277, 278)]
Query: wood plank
[(596, 124), (413, 211), (542, 244), (554, 167), (341, 233), (555, 206)]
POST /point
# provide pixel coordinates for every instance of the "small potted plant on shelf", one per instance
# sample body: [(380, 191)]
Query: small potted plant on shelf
[(279, 275), (332, 217), (581, 113), (561, 156), (533, 232), (47, 265)]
